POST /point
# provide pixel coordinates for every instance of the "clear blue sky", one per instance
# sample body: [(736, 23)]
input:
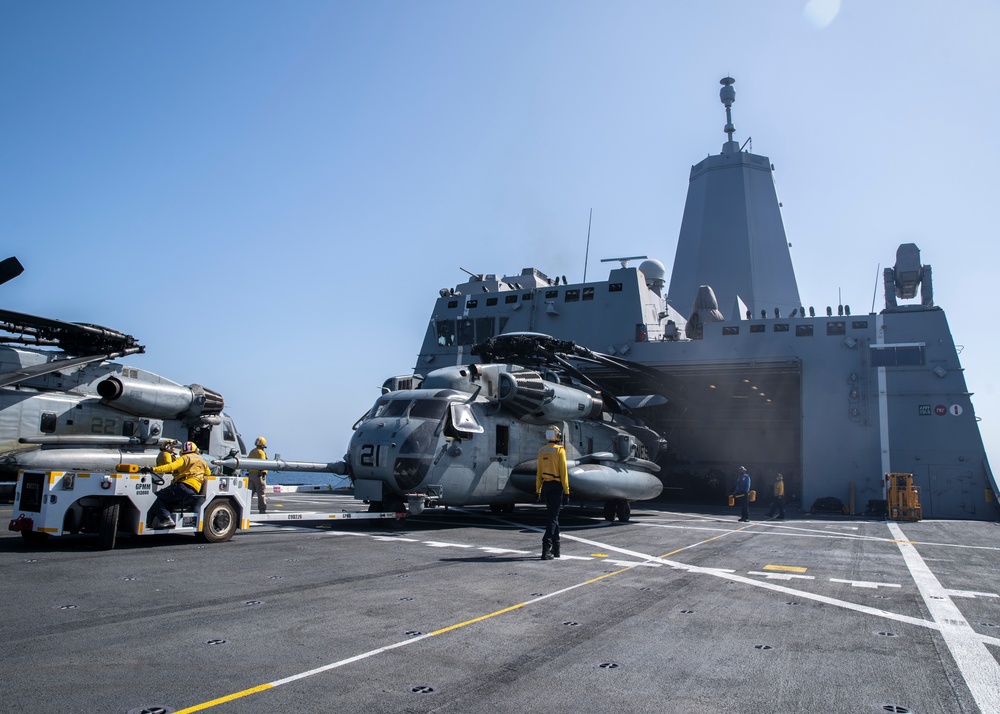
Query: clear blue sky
[(270, 195)]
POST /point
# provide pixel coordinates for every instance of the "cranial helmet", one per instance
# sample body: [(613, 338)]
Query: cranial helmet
[(743, 469), (261, 442), (552, 433), (189, 448), (167, 445)]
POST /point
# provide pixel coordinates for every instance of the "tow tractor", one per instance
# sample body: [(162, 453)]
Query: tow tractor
[(57, 503)]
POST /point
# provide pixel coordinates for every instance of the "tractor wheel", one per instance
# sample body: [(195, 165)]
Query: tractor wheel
[(34, 537), (221, 522), (108, 524)]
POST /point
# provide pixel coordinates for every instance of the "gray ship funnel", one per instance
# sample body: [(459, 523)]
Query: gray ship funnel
[(732, 236)]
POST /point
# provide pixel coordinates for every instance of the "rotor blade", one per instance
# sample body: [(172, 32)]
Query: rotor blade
[(10, 269), (19, 375)]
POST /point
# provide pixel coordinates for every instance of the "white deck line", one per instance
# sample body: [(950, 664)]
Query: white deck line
[(978, 667)]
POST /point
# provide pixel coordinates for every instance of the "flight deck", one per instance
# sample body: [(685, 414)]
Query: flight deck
[(676, 610)]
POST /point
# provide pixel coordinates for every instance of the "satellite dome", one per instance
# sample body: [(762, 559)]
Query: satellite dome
[(653, 270)]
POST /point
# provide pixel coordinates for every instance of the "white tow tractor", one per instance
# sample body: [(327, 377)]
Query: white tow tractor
[(56, 503)]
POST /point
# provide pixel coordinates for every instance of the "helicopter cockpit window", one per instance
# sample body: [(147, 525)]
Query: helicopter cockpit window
[(463, 423), (395, 408), (228, 432), (429, 409)]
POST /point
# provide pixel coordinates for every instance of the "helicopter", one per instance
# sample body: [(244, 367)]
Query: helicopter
[(66, 405), (469, 434)]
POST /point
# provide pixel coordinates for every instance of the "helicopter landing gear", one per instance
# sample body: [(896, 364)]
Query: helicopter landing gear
[(618, 508)]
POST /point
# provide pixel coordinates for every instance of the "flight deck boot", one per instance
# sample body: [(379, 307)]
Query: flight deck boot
[(555, 549), (546, 554)]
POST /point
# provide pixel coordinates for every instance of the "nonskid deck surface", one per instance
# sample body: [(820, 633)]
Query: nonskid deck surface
[(674, 611)]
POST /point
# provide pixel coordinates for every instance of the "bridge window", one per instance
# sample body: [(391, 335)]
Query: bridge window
[(491, 301), (837, 327), (803, 330), (510, 299), (588, 293), (859, 324), (551, 293), (781, 327), (572, 296), (614, 287), (731, 330), (445, 332), (897, 356), (757, 328)]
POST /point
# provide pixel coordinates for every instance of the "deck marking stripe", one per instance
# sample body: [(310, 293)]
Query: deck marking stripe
[(380, 650), (976, 663), (786, 568), (223, 700)]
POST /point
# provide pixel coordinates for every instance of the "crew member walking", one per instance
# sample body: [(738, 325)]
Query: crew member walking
[(779, 498), (742, 490), (552, 485), (258, 479), (190, 471)]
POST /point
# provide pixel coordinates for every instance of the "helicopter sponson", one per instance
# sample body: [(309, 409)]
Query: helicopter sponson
[(469, 435)]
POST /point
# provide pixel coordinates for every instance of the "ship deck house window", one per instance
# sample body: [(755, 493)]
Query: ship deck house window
[(757, 328), (572, 296), (897, 356), (837, 327), (731, 330)]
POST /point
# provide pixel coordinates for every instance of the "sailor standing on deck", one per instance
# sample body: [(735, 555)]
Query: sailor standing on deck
[(742, 490), (258, 479), (779, 498), (552, 485)]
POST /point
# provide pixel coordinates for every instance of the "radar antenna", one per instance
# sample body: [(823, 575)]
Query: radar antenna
[(623, 261)]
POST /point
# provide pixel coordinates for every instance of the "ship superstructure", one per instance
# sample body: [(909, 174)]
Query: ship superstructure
[(752, 377)]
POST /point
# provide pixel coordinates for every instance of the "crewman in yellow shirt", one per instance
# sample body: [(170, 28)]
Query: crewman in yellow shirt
[(190, 472), (258, 479), (552, 486), (779, 498)]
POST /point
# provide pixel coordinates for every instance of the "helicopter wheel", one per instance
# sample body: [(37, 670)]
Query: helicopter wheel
[(623, 510), (609, 510)]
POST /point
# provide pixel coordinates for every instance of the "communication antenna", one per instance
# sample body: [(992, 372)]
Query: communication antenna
[(586, 255), (875, 289)]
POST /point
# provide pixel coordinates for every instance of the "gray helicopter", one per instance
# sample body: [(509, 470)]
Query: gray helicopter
[(66, 405), (469, 434)]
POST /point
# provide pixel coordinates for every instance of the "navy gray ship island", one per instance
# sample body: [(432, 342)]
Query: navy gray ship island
[(679, 609), (752, 377)]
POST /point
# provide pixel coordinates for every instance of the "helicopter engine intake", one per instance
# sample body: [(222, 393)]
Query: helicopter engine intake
[(160, 401), (535, 400)]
